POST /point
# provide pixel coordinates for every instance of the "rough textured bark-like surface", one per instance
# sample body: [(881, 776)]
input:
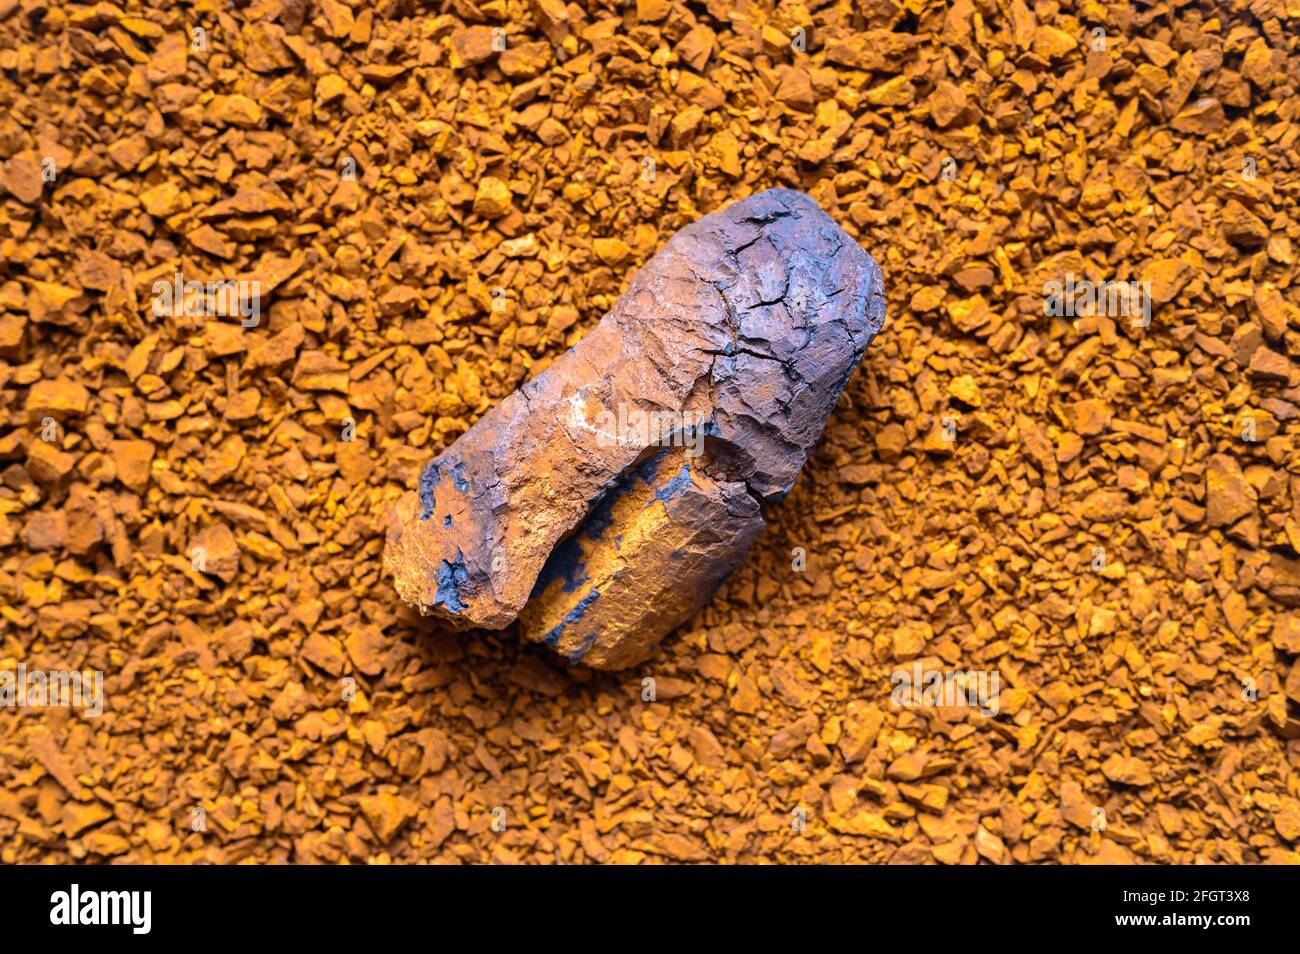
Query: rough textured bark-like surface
[(751, 320), (650, 555)]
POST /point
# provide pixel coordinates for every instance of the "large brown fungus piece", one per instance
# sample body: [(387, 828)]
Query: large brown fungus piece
[(604, 501)]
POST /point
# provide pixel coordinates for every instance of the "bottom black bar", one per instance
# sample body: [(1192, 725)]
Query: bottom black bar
[(140, 905)]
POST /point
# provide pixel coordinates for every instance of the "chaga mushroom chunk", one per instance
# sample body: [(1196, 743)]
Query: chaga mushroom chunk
[(604, 501)]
